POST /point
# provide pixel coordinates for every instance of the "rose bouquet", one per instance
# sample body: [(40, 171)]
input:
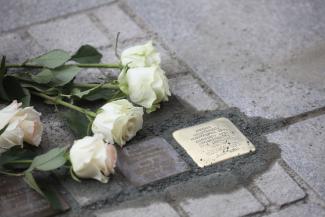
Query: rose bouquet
[(141, 84)]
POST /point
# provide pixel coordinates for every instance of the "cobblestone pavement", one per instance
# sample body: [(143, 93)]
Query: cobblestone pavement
[(266, 58)]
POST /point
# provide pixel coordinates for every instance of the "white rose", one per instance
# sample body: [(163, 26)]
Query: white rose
[(140, 56), (21, 125), (30, 122), (146, 86), (91, 157), (118, 122)]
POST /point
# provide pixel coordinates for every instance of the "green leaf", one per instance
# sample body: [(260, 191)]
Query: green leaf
[(3, 67), (87, 54), (26, 99), (52, 59), (3, 94), (40, 88), (51, 160), (73, 175), (64, 75), (44, 77), (78, 122), (29, 179), (106, 94), (98, 92), (22, 76), (15, 153), (3, 129), (82, 92), (53, 198), (14, 90), (47, 192)]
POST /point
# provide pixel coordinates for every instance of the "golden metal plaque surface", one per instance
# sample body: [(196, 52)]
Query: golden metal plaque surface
[(213, 141)]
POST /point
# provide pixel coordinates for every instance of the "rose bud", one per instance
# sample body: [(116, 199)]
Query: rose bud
[(146, 86), (91, 157), (31, 125), (118, 121), (140, 56), (21, 125)]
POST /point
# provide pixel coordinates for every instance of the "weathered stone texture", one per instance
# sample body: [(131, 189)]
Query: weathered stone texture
[(302, 146), (278, 186), (68, 34), (254, 56)]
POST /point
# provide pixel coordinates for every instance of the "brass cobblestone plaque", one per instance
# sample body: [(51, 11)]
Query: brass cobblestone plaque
[(213, 141), (19, 200), (149, 161)]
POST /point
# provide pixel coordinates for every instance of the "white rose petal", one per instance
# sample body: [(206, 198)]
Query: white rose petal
[(118, 122), (91, 157), (23, 124), (112, 158), (12, 136), (140, 56), (31, 125), (146, 86), (7, 113)]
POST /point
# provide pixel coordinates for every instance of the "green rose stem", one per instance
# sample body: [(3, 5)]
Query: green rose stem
[(63, 103), (20, 162), (107, 85), (16, 162), (90, 65), (11, 174)]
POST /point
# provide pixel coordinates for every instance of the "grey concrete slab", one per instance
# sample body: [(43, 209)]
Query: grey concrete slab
[(310, 210), (18, 49), (150, 160), (237, 203), (115, 20), (90, 191), (157, 209), (188, 90), (249, 52), (17, 199), (69, 34), (21, 13), (303, 148), (278, 186)]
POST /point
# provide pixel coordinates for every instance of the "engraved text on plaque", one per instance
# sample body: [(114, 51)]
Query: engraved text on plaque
[(213, 141)]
